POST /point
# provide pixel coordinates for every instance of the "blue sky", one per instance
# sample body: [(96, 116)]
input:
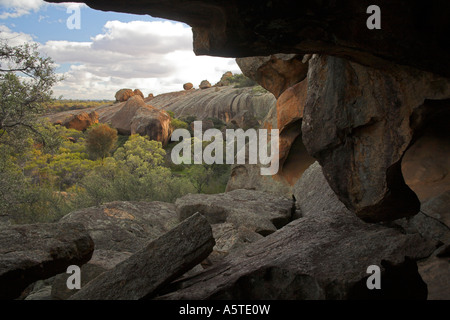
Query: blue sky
[(111, 50)]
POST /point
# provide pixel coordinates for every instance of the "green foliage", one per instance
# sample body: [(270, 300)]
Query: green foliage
[(241, 81), (259, 90), (26, 79), (101, 139)]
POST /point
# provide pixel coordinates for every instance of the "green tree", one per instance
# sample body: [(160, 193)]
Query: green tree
[(101, 139), (26, 80)]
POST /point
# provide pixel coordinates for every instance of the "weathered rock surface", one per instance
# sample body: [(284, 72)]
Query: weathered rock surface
[(38, 251), (118, 230), (260, 212), (275, 73), (240, 106), (412, 33), (358, 122), (286, 116), (157, 264), (79, 121), (322, 255), (125, 225)]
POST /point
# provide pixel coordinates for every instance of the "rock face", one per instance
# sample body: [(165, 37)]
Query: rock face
[(358, 122), (286, 116), (322, 255), (204, 84), (240, 106), (188, 86), (118, 230), (258, 211), (142, 275), (275, 73), (412, 33), (79, 121), (38, 251)]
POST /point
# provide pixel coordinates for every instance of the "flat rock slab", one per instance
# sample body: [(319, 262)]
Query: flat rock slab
[(322, 255), (38, 251), (151, 268), (258, 211), (125, 225)]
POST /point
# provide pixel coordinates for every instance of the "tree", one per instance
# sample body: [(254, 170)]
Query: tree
[(101, 139), (26, 79)]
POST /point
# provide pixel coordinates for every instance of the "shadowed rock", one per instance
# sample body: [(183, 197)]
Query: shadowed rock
[(160, 262), (322, 255), (38, 251)]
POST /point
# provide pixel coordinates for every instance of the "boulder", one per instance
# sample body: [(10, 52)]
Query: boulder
[(258, 211), (188, 86), (276, 72), (324, 254), (38, 251), (224, 80), (138, 92), (80, 121), (358, 123), (135, 116), (154, 266), (204, 84), (123, 95)]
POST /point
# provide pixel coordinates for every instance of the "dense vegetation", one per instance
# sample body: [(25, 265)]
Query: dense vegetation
[(46, 171)]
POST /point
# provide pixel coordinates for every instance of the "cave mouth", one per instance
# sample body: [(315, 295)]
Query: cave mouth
[(426, 163)]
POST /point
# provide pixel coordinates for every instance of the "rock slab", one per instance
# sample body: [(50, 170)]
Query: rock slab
[(160, 262)]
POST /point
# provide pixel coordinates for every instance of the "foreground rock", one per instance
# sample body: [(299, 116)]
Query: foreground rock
[(38, 251), (322, 255), (159, 263), (258, 211), (118, 229)]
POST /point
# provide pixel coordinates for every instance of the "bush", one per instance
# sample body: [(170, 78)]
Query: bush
[(241, 81), (101, 139)]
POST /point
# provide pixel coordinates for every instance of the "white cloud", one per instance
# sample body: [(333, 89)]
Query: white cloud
[(154, 57), (14, 38), (18, 8)]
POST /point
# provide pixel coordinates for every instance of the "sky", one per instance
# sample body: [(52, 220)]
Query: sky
[(102, 52)]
